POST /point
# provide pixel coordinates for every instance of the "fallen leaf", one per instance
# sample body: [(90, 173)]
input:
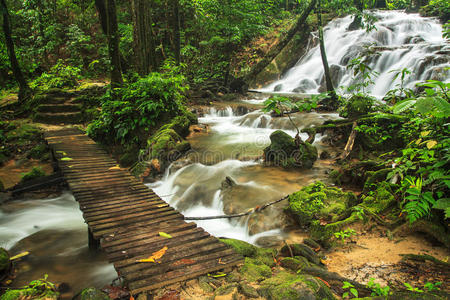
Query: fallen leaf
[(221, 262), (328, 285), (131, 297), (155, 256), (156, 165), (66, 158), (218, 274), (161, 205), (116, 167), (62, 152), (163, 234), (19, 255)]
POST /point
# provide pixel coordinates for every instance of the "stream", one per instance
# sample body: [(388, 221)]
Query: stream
[(53, 230)]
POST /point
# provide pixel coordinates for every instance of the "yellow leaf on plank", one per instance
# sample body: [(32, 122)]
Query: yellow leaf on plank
[(155, 256), (431, 144), (166, 235), (116, 167)]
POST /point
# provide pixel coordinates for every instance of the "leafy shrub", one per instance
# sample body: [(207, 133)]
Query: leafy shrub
[(60, 76), (36, 172), (130, 113), (437, 8), (37, 289)]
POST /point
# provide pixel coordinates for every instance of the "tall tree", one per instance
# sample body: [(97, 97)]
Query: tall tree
[(323, 54), (143, 37), (108, 19), (24, 89), (176, 30)]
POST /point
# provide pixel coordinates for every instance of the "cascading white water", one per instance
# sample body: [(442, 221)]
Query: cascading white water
[(400, 41), (196, 186)]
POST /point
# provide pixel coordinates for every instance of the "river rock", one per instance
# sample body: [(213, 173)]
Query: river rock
[(269, 241), (336, 73), (93, 294), (278, 87), (304, 85), (284, 152), (316, 201), (287, 286), (4, 261)]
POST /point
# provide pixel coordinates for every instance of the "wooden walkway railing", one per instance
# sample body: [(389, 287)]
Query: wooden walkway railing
[(126, 217)]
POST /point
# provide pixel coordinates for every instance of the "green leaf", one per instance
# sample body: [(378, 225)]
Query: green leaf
[(166, 235), (403, 106)]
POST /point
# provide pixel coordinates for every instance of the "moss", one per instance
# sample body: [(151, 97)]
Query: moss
[(266, 256), (93, 294), (226, 289), (241, 247), (317, 201), (23, 133), (301, 250), (4, 261), (379, 200), (253, 270), (286, 286), (37, 289), (357, 105), (39, 151), (284, 152), (375, 176), (36, 172), (248, 291), (294, 263)]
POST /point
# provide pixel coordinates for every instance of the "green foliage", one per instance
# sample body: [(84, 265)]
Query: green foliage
[(36, 172), (437, 8), (400, 92), (131, 112), (409, 287), (60, 76), (430, 286), (351, 288), (344, 234), (37, 289), (376, 288), (398, 4), (418, 203), (363, 73)]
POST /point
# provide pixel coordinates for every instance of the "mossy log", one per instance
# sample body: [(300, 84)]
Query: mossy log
[(425, 257), (434, 230)]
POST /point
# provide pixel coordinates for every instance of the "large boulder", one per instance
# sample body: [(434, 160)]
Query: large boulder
[(316, 201), (284, 152), (288, 286)]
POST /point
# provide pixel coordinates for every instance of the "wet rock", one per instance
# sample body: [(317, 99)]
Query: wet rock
[(4, 261), (268, 219), (284, 152), (241, 110), (241, 247), (294, 263), (228, 182), (255, 271), (304, 85), (316, 201), (301, 250), (248, 291), (278, 87), (336, 73), (325, 155), (93, 294), (287, 286), (269, 241)]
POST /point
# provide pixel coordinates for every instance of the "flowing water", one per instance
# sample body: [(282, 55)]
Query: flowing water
[(233, 148), (54, 232), (400, 41)]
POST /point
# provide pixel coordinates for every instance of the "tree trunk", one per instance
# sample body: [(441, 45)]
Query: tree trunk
[(144, 46), (323, 53), (24, 89), (101, 9), (273, 52), (176, 30), (113, 43)]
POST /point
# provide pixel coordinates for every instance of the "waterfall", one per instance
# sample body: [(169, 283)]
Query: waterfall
[(400, 41)]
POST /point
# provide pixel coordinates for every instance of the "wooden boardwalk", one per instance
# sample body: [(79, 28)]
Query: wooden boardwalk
[(126, 217)]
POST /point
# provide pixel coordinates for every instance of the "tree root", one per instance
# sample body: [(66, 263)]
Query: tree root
[(430, 228), (423, 258)]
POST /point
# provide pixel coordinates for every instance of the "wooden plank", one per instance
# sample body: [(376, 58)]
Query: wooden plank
[(129, 256), (152, 212), (186, 273), (137, 207), (169, 228)]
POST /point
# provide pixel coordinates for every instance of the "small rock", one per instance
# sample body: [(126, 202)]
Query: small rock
[(248, 291)]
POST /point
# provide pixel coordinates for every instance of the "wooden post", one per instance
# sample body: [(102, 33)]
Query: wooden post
[(94, 244)]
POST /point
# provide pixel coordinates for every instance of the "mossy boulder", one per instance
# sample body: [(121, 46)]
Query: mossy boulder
[(4, 261), (301, 250), (254, 270), (287, 286), (243, 248), (180, 124), (357, 105), (294, 263), (284, 152), (318, 201), (380, 199), (93, 294), (166, 145)]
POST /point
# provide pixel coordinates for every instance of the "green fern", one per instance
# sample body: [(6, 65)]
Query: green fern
[(419, 204)]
